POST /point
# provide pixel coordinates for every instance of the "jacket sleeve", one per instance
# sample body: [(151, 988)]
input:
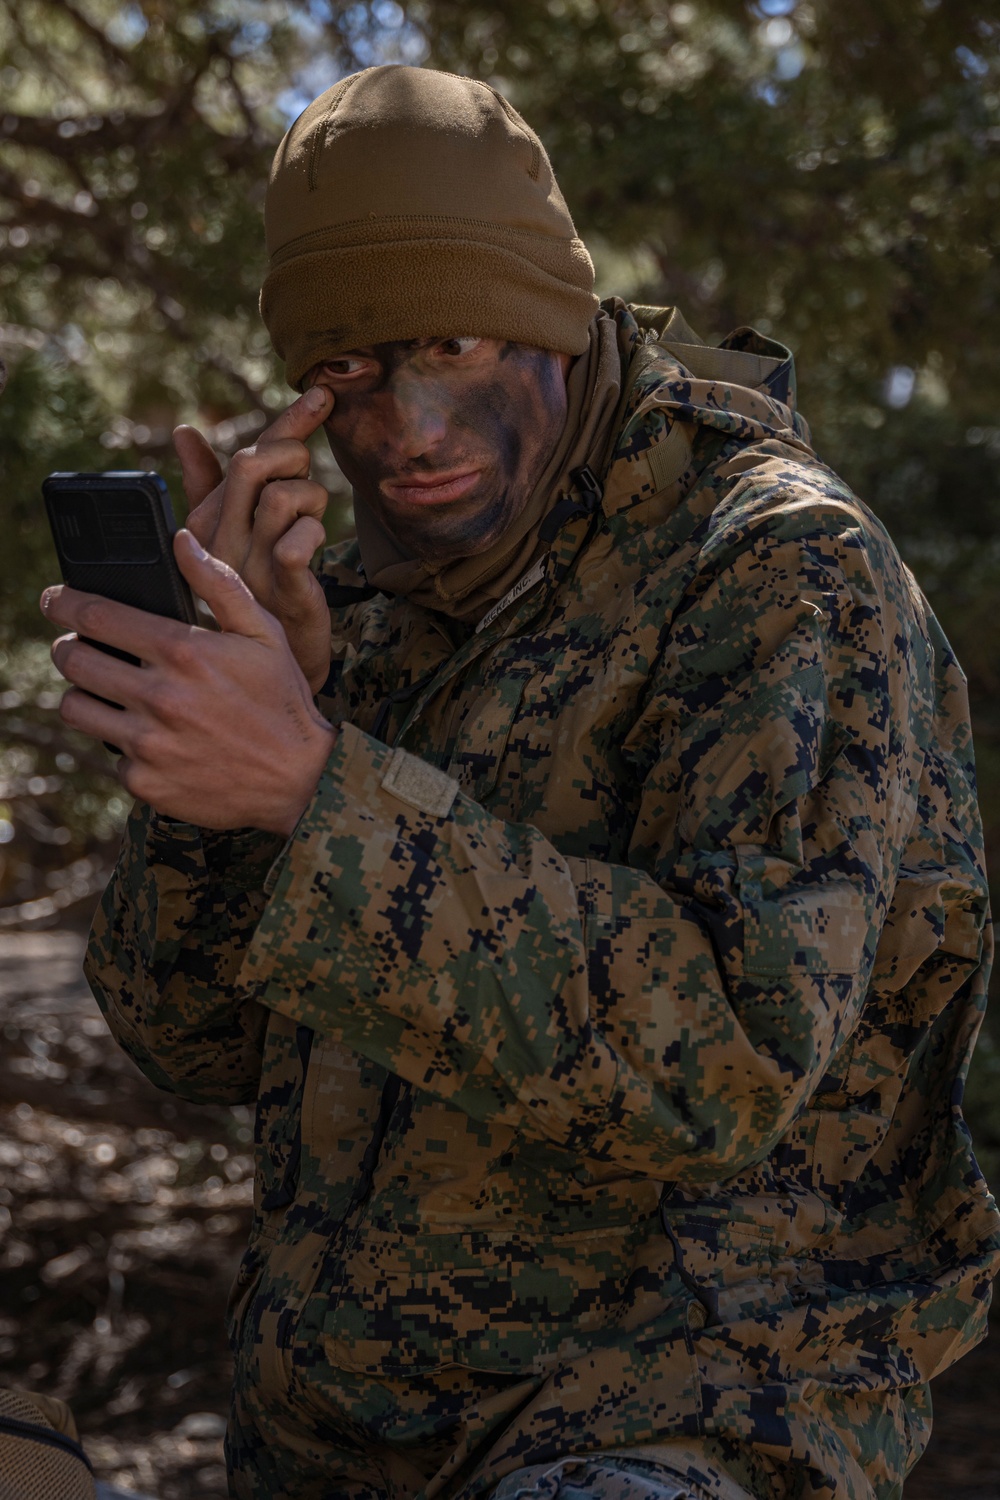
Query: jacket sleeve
[(674, 1012), (166, 946)]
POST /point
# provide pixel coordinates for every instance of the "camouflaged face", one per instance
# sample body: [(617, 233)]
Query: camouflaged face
[(609, 1008)]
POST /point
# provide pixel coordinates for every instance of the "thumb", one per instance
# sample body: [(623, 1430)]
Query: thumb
[(200, 468), (222, 589)]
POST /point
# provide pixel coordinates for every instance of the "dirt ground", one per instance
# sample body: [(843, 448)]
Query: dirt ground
[(122, 1217)]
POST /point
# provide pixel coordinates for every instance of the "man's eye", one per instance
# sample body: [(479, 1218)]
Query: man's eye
[(347, 364), (458, 346)]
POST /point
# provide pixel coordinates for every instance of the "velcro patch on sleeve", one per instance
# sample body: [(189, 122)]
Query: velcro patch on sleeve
[(820, 930), (419, 785)]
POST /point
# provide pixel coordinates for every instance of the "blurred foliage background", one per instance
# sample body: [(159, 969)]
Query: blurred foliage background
[(825, 169)]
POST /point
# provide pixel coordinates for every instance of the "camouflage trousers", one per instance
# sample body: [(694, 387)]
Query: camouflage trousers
[(286, 1458), (595, 1478), (600, 1477), (301, 1428)]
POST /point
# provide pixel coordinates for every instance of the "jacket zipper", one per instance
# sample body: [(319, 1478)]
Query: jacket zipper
[(398, 695), (391, 1090), (584, 499), (707, 1296)]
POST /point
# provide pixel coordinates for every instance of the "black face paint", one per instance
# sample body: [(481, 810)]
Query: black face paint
[(418, 422)]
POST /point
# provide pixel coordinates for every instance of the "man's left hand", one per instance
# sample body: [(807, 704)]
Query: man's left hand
[(216, 729)]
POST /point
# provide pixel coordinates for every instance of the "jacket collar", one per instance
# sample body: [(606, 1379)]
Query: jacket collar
[(677, 387)]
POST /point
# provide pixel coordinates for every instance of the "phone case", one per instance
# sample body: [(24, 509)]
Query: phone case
[(113, 533)]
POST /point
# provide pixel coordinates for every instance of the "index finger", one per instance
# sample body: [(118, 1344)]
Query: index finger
[(302, 418), (145, 635)]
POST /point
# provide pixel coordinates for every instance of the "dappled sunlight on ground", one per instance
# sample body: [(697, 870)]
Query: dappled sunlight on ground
[(123, 1213)]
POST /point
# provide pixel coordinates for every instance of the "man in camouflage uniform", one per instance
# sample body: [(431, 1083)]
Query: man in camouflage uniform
[(605, 944)]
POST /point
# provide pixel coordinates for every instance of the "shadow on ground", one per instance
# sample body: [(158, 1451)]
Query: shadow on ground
[(123, 1213)]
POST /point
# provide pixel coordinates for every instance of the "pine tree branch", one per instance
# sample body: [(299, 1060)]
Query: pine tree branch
[(111, 53)]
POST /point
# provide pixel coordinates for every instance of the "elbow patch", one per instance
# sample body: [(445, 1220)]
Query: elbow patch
[(820, 930)]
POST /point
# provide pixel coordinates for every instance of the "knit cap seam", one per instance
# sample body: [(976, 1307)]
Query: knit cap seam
[(340, 92), (294, 248), (518, 124), (322, 126)]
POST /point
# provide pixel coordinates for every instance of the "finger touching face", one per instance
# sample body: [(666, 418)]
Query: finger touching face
[(444, 439), (223, 507)]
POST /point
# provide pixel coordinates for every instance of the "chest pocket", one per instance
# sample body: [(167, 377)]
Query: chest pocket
[(483, 731)]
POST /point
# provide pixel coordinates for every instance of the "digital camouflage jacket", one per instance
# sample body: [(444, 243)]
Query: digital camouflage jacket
[(608, 1011)]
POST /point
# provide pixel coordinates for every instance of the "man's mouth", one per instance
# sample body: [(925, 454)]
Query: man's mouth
[(436, 489)]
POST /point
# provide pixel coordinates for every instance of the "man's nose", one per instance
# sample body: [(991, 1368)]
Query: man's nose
[(418, 417)]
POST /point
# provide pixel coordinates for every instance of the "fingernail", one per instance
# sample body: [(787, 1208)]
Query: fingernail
[(196, 547), (316, 397), (46, 600)]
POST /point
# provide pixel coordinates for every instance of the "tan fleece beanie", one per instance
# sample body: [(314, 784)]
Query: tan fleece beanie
[(406, 203)]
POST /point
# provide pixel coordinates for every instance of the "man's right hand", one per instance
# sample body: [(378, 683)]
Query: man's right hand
[(265, 519)]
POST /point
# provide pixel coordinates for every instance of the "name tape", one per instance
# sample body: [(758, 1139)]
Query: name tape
[(521, 587)]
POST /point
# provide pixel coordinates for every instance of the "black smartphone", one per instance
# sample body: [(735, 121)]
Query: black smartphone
[(112, 534)]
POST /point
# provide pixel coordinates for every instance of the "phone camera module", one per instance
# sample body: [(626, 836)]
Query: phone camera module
[(78, 524)]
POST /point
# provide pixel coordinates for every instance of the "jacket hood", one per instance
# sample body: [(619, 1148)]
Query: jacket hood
[(677, 385)]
